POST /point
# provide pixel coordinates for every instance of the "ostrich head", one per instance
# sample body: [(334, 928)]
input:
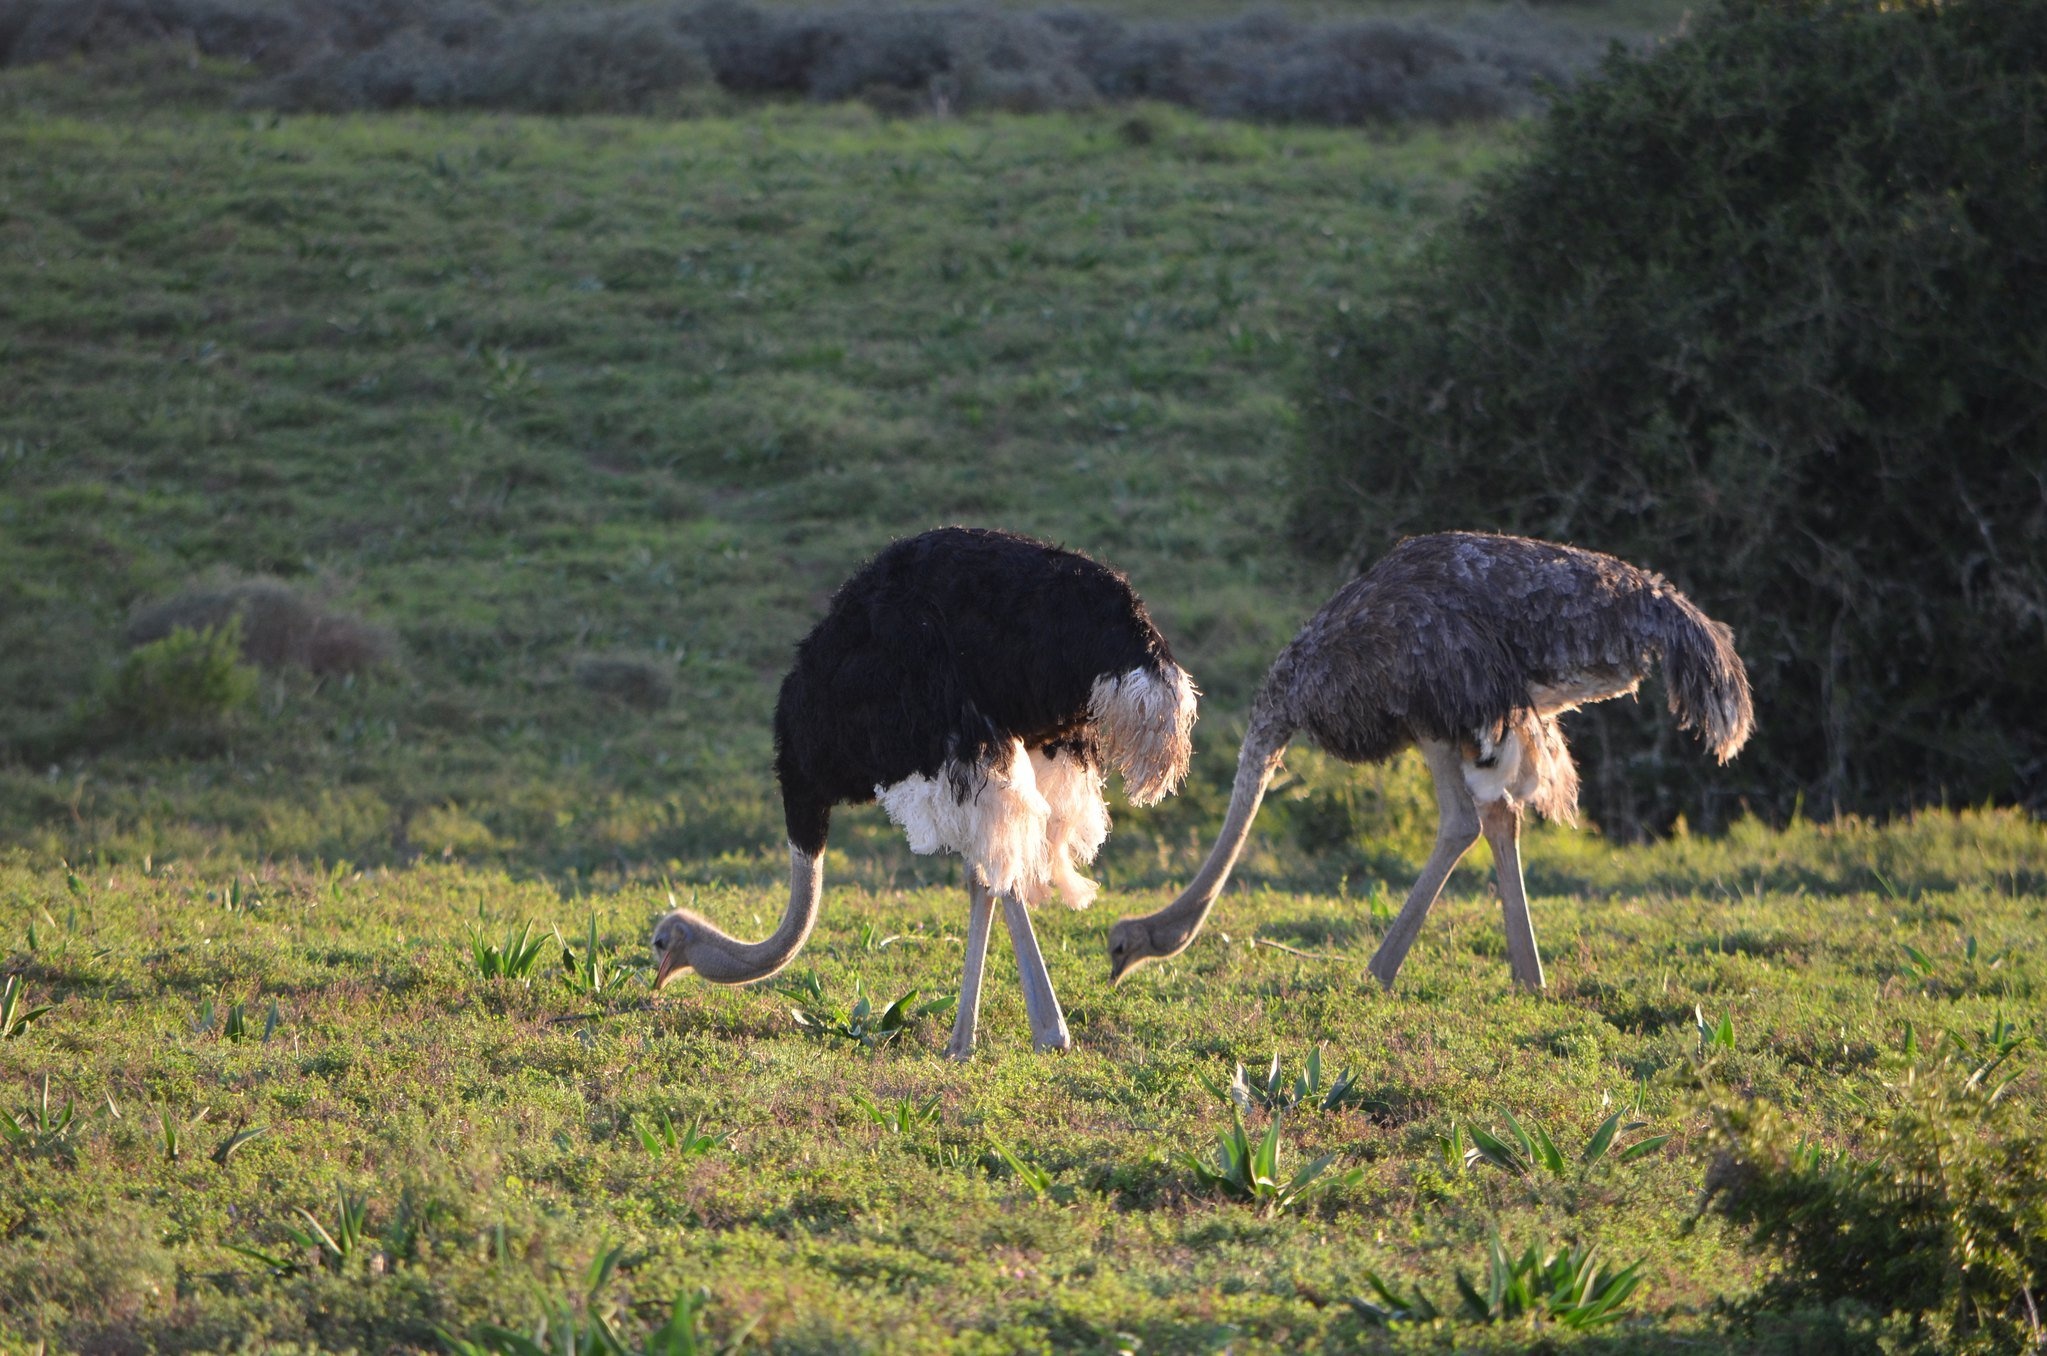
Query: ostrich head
[(1132, 942), (686, 940), (674, 936)]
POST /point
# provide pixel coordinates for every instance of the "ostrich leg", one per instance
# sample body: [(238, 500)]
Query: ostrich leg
[(980, 916), (1048, 1024), (1501, 822), (1457, 829)]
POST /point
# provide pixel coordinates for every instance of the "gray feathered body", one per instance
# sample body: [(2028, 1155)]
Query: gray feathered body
[(1467, 637)]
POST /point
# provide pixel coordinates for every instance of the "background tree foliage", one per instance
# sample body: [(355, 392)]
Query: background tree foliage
[(1760, 309)]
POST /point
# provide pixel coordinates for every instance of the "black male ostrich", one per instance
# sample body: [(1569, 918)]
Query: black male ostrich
[(1469, 645), (977, 684)]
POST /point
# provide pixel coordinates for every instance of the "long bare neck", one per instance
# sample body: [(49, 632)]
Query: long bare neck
[(726, 960), (1175, 926)]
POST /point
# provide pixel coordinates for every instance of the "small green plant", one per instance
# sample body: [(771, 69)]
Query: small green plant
[(1973, 971), (902, 1117), (1522, 1150), (35, 939), (38, 1129), (591, 975), (514, 959), (587, 1324), (171, 1135), (1273, 1093), (1393, 1307), (1250, 1172), (1986, 1054), (1569, 1287), (233, 1022), (344, 1242), (236, 897), (663, 1138), (1714, 1035), (1033, 1178), (15, 1015), (235, 1142), (859, 1023), (332, 1248)]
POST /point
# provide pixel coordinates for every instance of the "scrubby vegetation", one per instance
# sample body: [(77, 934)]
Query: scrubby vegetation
[(188, 687), (674, 57), (1756, 309), (274, 624), (1937, 1216)]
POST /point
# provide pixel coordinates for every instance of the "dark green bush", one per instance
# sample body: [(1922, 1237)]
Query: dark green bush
[(1937, 1215), (1760, 310)]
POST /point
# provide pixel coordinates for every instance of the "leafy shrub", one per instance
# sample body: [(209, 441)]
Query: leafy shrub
[(1758, 310), (1939, 1214), (276, 626), (341, 54), (189, 687)]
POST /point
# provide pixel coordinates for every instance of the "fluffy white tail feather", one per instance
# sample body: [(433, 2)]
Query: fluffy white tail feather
[(1144, 725), (1028, 823)]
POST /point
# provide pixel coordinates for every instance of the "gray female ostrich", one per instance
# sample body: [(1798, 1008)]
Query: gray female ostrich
[(977, 684), (1470, 646)]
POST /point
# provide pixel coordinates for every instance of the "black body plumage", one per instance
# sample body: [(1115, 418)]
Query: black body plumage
[(1449, 635), (938, 651)]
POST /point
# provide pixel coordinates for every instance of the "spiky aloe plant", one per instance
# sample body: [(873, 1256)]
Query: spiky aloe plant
[(514, 959), (1250, 1171)]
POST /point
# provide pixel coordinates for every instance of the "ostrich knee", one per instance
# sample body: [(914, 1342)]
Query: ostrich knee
[(980, 915), (1457, 828), (1500, 821), (1041, 1004)]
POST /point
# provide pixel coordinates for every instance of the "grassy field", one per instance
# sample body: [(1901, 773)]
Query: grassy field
[(534, 393), (493, 1128), (529, 393)]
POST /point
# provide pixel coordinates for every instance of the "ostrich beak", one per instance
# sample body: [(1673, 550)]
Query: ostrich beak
[(668, 968)]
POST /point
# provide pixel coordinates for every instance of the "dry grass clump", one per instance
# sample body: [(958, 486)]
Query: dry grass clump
[(280, 628), (667, 56), (630, 680)]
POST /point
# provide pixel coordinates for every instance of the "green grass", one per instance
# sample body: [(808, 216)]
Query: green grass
[(497, 1131), (531, 393)]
